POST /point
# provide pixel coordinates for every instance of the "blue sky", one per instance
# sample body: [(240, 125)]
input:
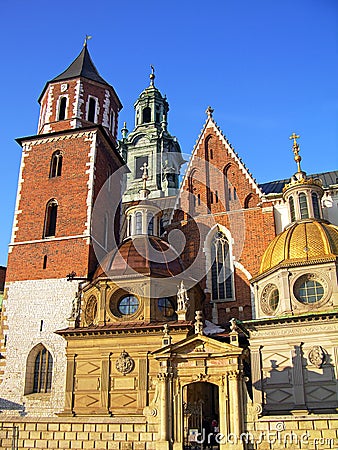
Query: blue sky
[(268, 68)]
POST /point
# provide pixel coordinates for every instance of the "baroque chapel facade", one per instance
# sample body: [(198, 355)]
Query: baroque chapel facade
[(134, 324)]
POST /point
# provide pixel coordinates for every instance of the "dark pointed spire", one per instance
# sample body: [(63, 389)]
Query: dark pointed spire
[(82, 66)]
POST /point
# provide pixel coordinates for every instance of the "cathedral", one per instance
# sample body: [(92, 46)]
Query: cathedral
[(149, 309)]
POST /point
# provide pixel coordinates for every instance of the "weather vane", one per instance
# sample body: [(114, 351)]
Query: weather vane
[(86, 40)]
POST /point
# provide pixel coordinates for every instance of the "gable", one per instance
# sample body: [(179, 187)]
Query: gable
[(213, 159), (197, 346)]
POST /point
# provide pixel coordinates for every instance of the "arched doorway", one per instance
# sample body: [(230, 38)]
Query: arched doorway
[(201, 414)]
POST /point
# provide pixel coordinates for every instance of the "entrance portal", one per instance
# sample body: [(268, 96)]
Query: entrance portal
[(201, 414)]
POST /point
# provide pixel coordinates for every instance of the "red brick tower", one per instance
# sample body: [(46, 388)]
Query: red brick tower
[(63, 169)]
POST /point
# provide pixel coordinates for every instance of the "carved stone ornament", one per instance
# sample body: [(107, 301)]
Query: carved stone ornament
[(124, 363), (317, 356)]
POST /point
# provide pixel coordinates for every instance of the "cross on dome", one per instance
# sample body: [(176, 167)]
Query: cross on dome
[(295, 149)]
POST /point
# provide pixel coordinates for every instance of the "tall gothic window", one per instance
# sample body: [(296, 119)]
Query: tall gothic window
[(62, 108), (50, 218), (55, 165), (304, 211), (43, 368), (221, 275)]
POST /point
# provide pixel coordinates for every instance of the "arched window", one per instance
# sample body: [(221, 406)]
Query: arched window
[(62, 108), (50, 218), (315, 205), (138, 224), (146, 115), (91, 110), (292, 209), (221, 274), (55, 165), (43, 369), (248, 201), (304, 211), (39, 370)]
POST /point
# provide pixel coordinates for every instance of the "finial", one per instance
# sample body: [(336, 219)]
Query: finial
[(209, 111), (86, 40), (295, 149), (152, 75), (124, 130)]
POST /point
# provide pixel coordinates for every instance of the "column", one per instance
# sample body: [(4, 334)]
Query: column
[(163, 435), (235, 406), (70, 385)]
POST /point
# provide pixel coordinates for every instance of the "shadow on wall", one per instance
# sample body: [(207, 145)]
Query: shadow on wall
[(296, 387), (7, 405)]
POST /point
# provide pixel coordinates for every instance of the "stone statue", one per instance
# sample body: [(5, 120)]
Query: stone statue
[(182, 298)]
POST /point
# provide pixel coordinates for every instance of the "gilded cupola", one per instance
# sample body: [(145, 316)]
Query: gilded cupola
[(298, 270)]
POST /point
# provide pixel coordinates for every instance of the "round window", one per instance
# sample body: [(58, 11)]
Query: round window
[(309, 290), (274, 299), (128, 305), (166, 306), (269, 299)]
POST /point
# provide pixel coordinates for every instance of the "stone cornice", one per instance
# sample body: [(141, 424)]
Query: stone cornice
[(125, 328)]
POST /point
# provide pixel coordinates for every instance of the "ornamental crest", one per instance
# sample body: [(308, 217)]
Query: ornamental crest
[(317, 356), (124, 363)]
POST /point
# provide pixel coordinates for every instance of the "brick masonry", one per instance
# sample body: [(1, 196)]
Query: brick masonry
[(219, 191), (133, 433)]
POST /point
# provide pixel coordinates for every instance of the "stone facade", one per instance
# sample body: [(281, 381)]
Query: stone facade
[(33, 311)]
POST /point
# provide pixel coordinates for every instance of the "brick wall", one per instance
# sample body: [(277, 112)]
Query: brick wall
[(218, 189)]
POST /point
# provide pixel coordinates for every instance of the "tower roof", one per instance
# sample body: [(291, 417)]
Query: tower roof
[(82, 66)]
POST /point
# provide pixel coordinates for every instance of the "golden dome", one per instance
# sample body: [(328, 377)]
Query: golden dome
[(303, 242)]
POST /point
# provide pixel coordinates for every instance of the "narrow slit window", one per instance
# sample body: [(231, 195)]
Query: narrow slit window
[(304, 211), (62, 108), (138, 227), (92, 109), (292, 209), (55, 165), (50, 219), (315, 205)]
